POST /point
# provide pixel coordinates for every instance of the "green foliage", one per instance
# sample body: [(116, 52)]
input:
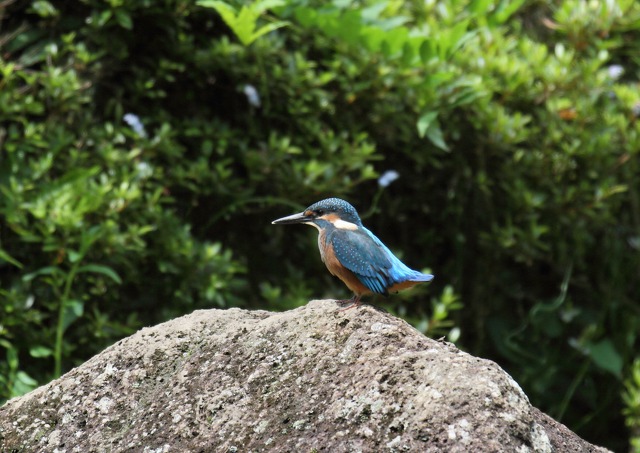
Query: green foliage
[(632, 401), (61, 281), (91, 237), (438, 320), (243, 22), (147, 146)]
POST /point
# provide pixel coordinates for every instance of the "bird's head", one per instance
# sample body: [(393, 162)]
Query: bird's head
[(332, 211)]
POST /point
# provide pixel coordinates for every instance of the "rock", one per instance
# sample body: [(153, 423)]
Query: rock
[(312, 379)]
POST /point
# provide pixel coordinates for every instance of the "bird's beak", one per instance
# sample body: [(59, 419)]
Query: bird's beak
[(301, 217)]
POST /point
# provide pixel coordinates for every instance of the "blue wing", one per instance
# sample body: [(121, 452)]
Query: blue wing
[(371, 261)]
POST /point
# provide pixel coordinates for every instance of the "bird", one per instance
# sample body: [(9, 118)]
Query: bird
[(353, 253)]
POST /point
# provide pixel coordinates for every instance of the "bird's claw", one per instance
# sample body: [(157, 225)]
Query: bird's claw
[(348, 303)]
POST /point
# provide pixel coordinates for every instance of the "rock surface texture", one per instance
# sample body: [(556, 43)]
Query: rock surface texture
[(312, 379)]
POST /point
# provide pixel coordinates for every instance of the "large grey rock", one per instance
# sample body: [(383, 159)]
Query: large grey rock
[(312, 379)]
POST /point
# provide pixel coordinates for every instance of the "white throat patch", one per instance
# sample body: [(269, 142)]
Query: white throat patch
[(344, 225)]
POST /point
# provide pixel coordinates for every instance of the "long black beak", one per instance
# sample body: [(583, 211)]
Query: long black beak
[(290, 219)]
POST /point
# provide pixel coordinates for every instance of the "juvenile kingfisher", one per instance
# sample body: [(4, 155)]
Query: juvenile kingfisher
[(353, 253)]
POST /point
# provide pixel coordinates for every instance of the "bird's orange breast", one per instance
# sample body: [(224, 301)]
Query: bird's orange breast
[(336, 268)]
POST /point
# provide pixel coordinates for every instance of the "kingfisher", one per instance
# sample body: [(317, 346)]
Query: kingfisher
[(353, 253)]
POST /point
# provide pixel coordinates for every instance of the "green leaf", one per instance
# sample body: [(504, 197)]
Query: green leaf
[(104, 17), (124, 19), (100, 269), (480, 7), (227, 12), (74, 256), (407, 54), (23, 384), (505, 10), (73, 309), (44, 9), (12, 358), (394, 41), (9, 259), (266, 29), (425, 121), (605, 356), (263, 5), (427, 51), (453, 38), (243, 23), (40, 352), (49, 270), (435, 136), (306, 17)]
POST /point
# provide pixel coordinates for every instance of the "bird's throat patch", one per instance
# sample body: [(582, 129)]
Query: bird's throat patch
[(344, 225), (338, 222)]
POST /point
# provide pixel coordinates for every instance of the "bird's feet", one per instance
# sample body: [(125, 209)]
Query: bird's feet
[(349, 303)]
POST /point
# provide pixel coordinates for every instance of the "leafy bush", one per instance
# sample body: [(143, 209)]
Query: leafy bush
[(90, 228), (146, 146), (631, 398)]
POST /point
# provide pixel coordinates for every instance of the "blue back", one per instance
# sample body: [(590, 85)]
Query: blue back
[(370, 260)]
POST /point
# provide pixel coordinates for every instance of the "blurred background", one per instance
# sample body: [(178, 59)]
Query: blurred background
[(146, 146)]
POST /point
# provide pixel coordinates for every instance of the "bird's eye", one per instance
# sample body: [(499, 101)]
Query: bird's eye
[(319, 212)]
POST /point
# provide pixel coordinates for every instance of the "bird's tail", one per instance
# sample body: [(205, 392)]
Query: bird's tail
[(420, 277)]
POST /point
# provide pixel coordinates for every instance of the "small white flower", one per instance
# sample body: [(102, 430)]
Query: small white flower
[(615, 71), (252, 95), (144, 169), (388, 177), (29, 302), (133, 120)]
